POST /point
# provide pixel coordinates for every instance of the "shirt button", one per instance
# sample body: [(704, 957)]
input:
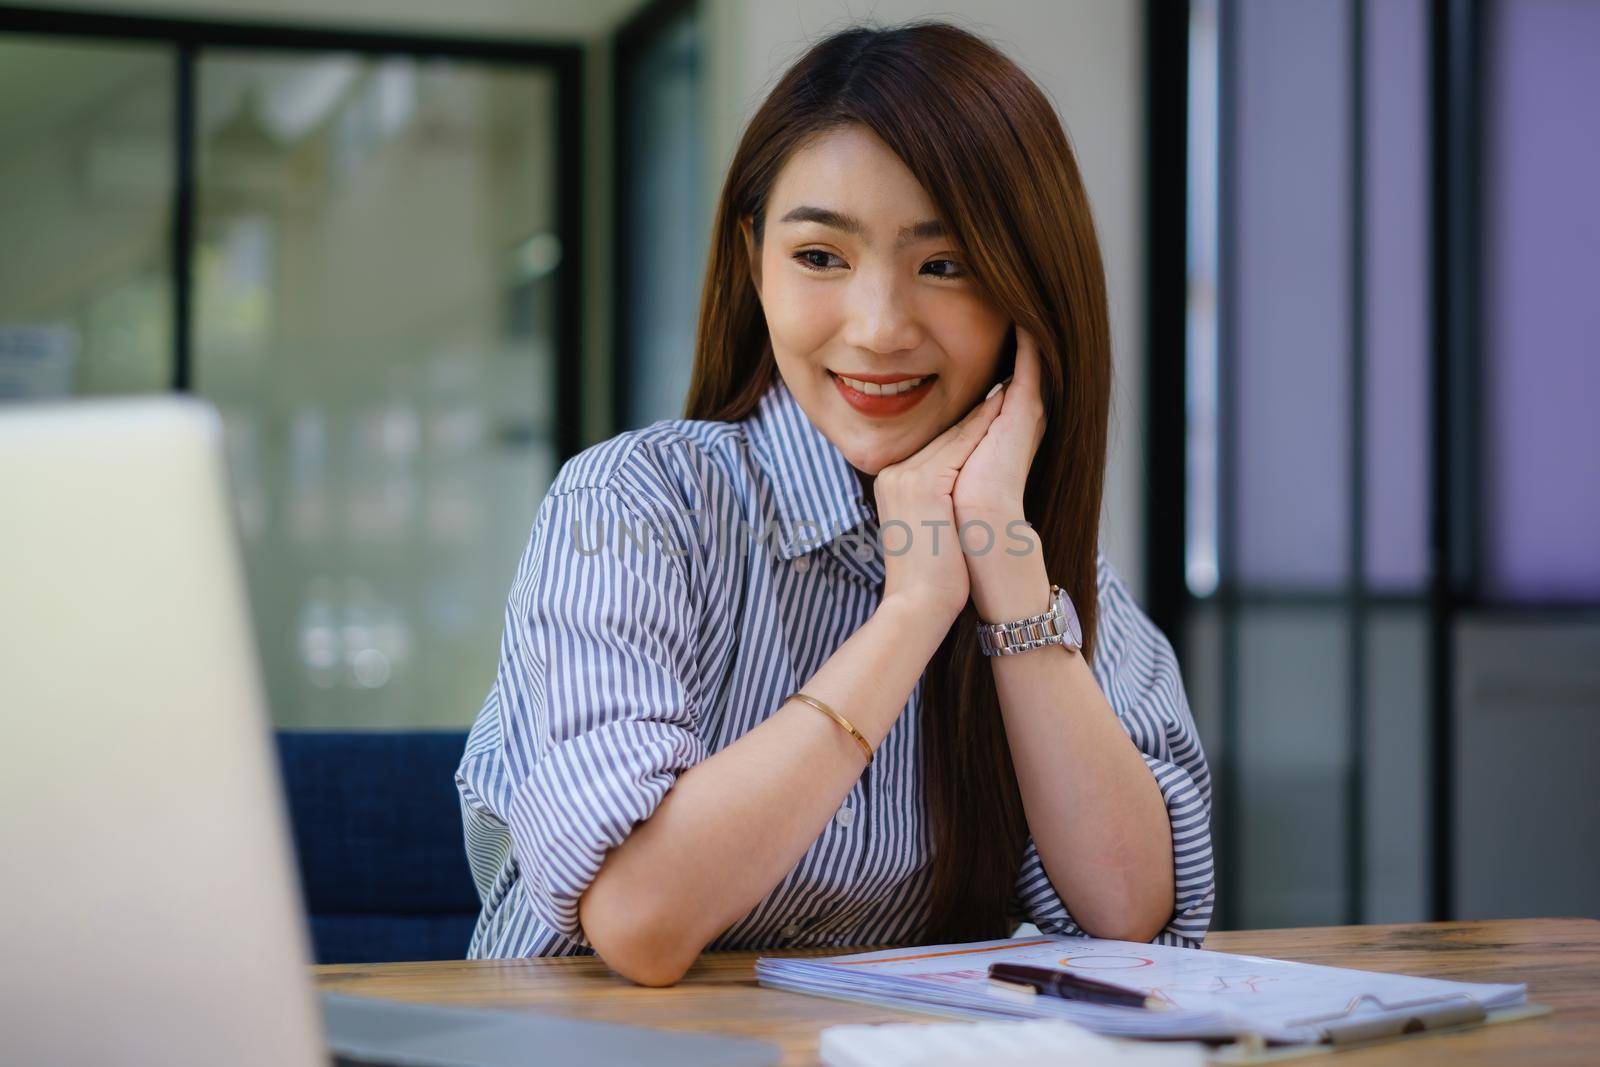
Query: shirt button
[(791, 931), (846, 817)]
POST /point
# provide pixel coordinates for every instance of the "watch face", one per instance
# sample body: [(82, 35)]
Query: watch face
[(1074, 628)]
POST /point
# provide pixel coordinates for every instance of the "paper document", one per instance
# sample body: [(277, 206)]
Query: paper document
[(1014, 1043), (1207, 995)]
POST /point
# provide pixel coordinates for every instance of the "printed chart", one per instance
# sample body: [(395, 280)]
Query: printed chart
[(1206, 995)]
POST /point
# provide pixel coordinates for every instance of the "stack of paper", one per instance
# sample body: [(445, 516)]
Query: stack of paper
[(1206, 995), (1018, 1043)]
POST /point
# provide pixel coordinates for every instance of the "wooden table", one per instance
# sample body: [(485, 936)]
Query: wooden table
[(1559, 959)]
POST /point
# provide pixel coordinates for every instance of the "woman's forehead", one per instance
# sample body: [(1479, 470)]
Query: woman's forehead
[(849, 174)]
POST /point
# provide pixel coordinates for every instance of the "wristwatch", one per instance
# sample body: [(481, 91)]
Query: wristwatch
[(1058, 626)]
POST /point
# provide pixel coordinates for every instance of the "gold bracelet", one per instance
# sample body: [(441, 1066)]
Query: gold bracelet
[(866, 749)]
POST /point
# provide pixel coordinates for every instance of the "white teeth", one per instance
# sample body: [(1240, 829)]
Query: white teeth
[(873, 389)]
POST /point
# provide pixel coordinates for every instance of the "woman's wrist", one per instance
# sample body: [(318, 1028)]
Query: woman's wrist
[(1009, 581), (916, 617)]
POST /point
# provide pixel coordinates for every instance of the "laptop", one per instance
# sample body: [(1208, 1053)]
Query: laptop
[(151, 909)]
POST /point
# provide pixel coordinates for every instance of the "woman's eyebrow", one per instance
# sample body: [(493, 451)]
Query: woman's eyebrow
[(925, 230)]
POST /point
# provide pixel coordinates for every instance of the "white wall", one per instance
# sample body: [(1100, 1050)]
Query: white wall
[(1087, 55)]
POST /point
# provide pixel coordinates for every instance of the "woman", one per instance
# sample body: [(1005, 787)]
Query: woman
[(730, 714)]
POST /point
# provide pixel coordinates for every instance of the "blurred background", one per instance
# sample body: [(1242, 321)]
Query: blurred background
[(419, 254)]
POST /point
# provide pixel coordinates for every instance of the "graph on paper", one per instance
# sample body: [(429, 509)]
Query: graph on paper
[(1204, 993)]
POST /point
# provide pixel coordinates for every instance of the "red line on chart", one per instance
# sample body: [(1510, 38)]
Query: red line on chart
[(1106, 963), (1218, 984)]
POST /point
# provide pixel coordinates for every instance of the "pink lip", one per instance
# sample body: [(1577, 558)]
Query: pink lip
[(882, 406)]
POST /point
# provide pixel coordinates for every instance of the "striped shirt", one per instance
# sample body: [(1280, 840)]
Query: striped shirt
[(681, 580)]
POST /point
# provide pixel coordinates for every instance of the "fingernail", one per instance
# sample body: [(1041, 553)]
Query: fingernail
[(997, 387)]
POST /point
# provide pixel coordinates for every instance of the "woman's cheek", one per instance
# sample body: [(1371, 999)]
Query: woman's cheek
[(970, 334), (799, 320)]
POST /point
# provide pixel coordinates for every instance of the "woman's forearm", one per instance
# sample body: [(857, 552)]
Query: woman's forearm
[(736, 823), (1095, 811)]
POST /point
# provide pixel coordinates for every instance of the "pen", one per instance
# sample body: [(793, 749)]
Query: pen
[(1067, 986)]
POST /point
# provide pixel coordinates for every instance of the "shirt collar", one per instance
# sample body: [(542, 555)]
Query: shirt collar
[(815, 489)]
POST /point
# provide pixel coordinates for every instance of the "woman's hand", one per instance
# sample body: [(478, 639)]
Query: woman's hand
[(1006, 583), (995, 477), (916, 517)]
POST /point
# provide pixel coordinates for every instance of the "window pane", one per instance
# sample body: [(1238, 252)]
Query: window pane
[(86, 186), (375, 270), (1396, 287), (1395, 782), (1290, 239), (1292, 757), (1541, 262), (1527, 724)]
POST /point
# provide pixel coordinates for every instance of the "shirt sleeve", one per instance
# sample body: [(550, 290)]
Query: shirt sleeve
[(1138, 672), (596, 691)]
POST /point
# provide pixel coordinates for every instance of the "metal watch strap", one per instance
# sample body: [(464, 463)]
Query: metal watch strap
[(1051, 627)]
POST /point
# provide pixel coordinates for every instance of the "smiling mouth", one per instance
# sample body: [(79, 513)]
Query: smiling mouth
[(867, 388), (890, 399)]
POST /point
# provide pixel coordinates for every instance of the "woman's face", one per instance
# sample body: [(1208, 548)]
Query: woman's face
[(858, 280)]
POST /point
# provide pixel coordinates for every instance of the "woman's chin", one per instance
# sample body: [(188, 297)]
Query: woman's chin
[(872, 463), (869, 453)]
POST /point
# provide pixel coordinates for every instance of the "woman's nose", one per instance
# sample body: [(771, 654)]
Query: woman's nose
[(880, 316)]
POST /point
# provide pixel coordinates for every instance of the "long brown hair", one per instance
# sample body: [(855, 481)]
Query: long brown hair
[(987, 146)]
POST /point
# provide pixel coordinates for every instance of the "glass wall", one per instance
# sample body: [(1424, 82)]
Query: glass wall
[(1308, 452), (1526, 839), (86, 193), (1393, 472), (374, 291), (377, 247)]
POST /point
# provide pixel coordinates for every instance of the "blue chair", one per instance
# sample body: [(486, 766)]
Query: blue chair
[(377, 824)]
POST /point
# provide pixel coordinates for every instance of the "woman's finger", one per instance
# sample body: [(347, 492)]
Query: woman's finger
[(1026, 371), (955, 444)]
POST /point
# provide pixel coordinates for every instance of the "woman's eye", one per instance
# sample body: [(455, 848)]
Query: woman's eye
[(817, 260), (810, 256)]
